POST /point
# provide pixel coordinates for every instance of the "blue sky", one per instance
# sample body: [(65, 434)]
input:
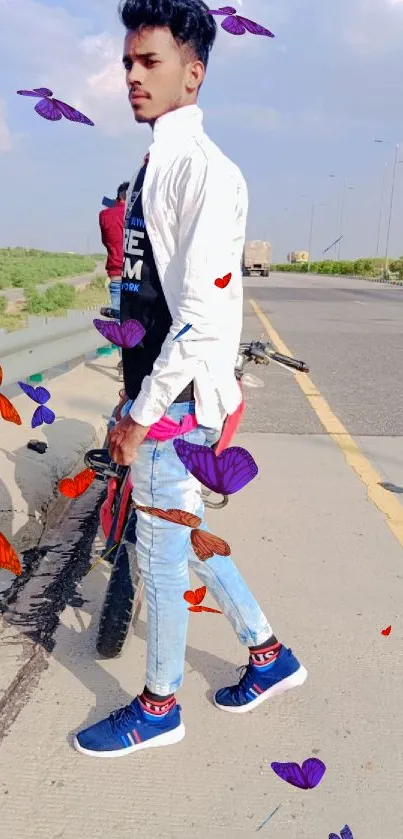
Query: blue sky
[(289, 111)]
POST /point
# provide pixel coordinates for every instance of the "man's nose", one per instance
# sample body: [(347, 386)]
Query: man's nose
[(135, 75)]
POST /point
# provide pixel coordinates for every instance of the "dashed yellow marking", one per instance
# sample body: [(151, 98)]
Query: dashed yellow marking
[(383, 500)]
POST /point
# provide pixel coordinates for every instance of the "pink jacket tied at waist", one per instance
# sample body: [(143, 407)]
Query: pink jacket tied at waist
[(167, 429)]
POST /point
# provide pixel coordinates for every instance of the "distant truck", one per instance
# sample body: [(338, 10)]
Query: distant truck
[(298, 256), (256, 259)]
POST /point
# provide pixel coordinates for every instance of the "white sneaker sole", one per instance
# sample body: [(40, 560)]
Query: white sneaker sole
[(167, 739), (295, 680)]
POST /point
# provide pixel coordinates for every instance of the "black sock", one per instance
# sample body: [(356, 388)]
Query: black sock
[(271, 642), (265, 654), (156, 705), (156, 696)]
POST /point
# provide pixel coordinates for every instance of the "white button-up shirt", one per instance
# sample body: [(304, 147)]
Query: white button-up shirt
[(195, 206)]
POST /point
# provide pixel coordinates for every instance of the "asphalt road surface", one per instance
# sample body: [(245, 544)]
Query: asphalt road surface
[(319, 537)]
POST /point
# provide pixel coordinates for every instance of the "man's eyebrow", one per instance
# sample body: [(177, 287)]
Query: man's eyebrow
[(128, 57)]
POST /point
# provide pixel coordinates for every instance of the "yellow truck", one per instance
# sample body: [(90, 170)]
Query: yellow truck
[(256, 259)]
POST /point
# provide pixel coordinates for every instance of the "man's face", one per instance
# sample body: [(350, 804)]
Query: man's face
[(160, 75)]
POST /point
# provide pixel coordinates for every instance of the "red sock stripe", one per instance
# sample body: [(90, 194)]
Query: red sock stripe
[(274, 649), (157, 706)]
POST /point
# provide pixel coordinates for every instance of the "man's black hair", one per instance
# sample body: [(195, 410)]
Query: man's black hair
[(188, 21), (122, 189)]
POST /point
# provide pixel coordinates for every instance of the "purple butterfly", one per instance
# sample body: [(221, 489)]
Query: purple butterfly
[(127, 335), (345, 833), (54, 109), (39, 395), (307, 776), (226, 473), (182, 332), (237, 25)]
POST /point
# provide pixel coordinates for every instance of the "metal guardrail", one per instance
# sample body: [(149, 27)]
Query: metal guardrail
[(47, 342)]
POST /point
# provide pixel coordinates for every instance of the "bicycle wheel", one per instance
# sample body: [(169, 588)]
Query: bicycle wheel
[(124, 595)]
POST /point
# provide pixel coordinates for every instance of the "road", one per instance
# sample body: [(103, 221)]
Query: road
[(320, 542)]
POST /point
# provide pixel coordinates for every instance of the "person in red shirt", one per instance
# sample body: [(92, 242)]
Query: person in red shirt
[(111, 222)]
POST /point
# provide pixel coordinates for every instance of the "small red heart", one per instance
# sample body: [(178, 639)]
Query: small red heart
[(222, 282), (387, 631)]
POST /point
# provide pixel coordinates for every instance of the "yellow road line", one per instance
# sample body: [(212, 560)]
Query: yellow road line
[(386, 503)]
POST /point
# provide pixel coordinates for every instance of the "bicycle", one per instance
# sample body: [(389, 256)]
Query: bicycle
[(125, 589)]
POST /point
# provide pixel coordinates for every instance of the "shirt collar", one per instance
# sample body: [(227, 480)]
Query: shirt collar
[(174, 124)]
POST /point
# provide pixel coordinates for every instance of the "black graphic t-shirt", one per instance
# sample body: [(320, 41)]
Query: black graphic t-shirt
[(142, 297)]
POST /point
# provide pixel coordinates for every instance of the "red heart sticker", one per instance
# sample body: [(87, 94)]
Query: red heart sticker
[(222, 282), (387, 631)]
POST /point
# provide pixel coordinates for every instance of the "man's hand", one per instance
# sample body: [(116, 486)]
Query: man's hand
[(124, 440)]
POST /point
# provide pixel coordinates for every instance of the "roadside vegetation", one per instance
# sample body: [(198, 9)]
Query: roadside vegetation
[(54, 302), (23, 268), (357, 268)]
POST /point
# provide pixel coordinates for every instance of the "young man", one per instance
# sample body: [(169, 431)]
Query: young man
[(111, 222), (184, 228)]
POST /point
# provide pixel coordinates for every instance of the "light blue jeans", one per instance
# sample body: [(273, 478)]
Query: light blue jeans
[(115, 289), (165, 555)]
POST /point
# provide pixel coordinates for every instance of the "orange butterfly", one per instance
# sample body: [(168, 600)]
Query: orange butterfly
[(8, 557), (205, 545), (73, 487), (197, 597), (7, 410)]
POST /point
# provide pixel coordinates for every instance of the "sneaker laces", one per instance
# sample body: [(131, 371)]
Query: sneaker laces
[(122, 718)]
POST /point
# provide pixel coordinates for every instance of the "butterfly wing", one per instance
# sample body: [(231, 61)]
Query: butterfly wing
[(195, 597), (41, 415), (133, 332), (345, 833), (68, 488), (172, 515), (225, 474), (333, 836), (291, 773), (314, 771), (8, 412), (223, 10), (8, 557), (182, 331), (222, 282), (213, 611), (28, 93), (126, 336), (254, 28), (43, 91), (38, 394), (205, 545), (46, 109), (233, 25), (195, 608), (71, 113)]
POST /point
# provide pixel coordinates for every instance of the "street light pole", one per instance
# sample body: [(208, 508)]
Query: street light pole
[(392, 193), (311, 235), (385, 169)]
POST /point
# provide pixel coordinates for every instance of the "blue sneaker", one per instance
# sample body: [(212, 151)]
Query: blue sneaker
[(256, 686), (129, 730)]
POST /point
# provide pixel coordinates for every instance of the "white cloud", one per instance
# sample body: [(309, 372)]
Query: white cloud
[(6, 140), (82, 69)]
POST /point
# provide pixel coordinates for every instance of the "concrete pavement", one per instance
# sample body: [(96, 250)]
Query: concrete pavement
[(328, 572)]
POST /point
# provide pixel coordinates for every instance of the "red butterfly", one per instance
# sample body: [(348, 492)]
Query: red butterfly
[(222, 282), (7, 410), (197, 597), (387, 631), (73, 487), (8, 557), (205, 545)]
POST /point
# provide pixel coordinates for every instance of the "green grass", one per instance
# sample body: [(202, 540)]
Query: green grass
[(358, 268), (20, 267), (55, 301)]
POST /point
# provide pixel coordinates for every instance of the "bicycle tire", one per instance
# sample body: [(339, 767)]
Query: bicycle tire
[(123, 599)]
